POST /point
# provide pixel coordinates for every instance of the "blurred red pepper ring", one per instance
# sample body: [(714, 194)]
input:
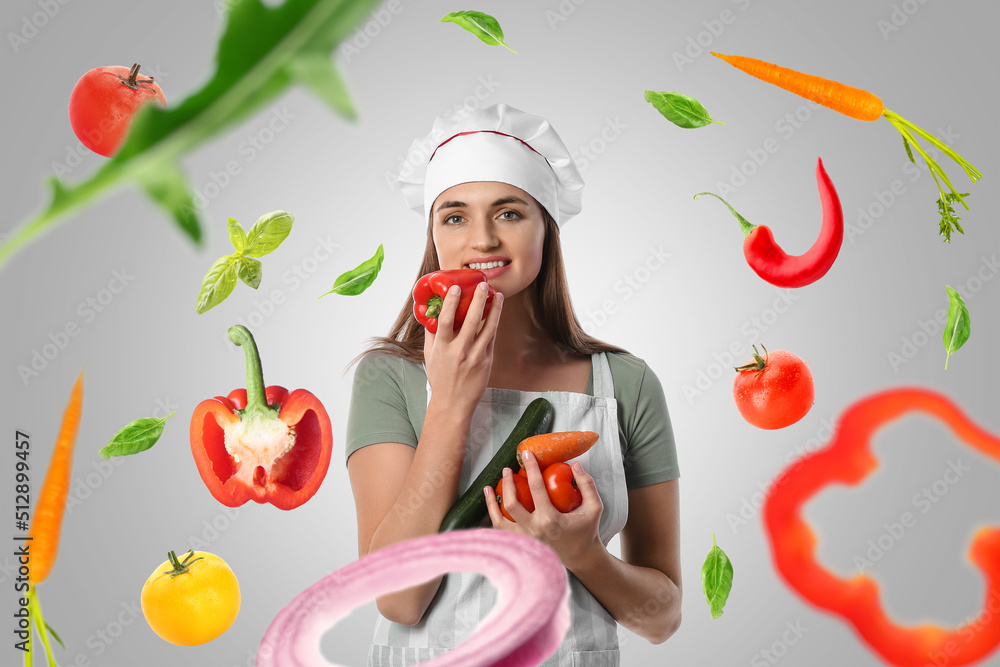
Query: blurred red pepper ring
[(848, 460)]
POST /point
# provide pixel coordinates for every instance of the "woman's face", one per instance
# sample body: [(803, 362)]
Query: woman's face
[(494, 227)]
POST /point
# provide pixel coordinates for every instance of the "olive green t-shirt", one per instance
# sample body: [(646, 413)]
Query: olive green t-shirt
[(389, 401)]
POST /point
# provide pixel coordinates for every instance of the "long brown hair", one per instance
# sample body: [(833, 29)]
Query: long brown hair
[(553, 311)]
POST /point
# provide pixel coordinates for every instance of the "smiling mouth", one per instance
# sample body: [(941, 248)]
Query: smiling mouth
[(486, 265)]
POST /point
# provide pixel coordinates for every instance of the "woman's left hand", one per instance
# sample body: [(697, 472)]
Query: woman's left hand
[(573, 536)]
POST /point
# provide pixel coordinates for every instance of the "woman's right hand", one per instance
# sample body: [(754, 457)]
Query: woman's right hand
[(459, 362)]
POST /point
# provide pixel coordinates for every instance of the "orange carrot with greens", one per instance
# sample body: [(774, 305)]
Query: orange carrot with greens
[(549, 448), (862, 105), (46, 521)]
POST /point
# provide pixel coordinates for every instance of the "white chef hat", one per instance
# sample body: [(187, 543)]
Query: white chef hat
[(496, 143)]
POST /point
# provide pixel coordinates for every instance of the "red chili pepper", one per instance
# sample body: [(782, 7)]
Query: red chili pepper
[(848, 460), (779, 268), (265, 445), (430, 290)]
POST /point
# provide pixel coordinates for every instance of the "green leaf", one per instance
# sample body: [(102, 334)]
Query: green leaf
[(909, 153), (218, 284), (268, 233), (169, 188), (949, 219), (483, 26), (137, 436), (681, 110), (716, 579), (317, 73), (55, 635), (262, 52), (959, 326), (357, 280), (249, 271), (237, 236)]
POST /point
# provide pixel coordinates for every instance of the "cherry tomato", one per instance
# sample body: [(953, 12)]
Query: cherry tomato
[(523, 495), (191, 600), (775, 391), (104, 102), (561, 486)]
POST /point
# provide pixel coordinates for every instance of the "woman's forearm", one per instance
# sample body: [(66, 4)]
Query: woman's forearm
[(430, 489), (642, 599)]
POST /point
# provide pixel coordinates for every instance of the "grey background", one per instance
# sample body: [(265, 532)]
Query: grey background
[(584, 66)]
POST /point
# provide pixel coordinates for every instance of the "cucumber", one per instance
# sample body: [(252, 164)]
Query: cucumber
[(470, 508)]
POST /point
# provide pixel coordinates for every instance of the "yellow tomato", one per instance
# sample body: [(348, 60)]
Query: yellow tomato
[(191, 600)]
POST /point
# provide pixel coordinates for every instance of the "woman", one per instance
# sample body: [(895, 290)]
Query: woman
[(429, 410)]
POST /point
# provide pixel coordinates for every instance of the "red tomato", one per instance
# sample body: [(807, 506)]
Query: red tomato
[(775, 391), (561, 486), (523, 495), (104, 102)]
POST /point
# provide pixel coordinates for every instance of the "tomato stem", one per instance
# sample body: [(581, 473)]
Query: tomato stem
[(180, 567), (757, 364), (132, 82)]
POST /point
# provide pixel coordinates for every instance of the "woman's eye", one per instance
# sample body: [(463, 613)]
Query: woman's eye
[(513, 213), (451, 217)]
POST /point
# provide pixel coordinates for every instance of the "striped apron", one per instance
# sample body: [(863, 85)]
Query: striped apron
[(464, 598)]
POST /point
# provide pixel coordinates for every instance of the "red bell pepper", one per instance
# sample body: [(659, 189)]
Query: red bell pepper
[(848, 460), (430, 290), (777, 267), (266, 445)]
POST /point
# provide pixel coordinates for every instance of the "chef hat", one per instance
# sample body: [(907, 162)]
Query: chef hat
[(496, 143)]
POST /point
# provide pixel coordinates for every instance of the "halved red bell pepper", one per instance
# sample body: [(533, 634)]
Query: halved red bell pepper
[(266, 445), (430, 290)]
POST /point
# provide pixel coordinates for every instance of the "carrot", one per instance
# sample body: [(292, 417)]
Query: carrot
[(549, 448), (862, 105), (46, 522)]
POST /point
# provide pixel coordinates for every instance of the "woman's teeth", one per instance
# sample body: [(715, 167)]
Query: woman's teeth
[(487, 265)]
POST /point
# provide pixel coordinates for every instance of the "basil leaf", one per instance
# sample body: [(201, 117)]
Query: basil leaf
[(268, 233), (716, 579), (483, 26), (958, 329), (218, 284), (357, 280), (137, 436), (237, 236), (681, 110), (249, 271)]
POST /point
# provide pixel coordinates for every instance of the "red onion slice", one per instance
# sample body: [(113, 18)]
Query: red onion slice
[(525, 626)]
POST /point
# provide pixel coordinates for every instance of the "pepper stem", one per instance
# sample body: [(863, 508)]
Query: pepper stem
[(434, 306), (745, 224), (256, 397)]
